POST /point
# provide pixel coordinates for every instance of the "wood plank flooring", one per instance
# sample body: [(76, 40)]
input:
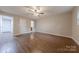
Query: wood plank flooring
[(37, 43)]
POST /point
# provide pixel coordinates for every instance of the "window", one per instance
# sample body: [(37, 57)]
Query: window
[(6, 24)]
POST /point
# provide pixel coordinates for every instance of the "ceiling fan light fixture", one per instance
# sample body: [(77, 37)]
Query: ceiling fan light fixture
[(35, 10), (36, 14)]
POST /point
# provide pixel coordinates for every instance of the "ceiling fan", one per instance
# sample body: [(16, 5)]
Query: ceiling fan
[(36, 10)]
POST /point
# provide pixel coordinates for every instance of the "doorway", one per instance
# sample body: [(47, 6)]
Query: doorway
[(32, 28)]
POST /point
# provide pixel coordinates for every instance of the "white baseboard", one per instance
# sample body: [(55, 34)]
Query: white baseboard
[(77, 41), (21, 33), (56, 34)]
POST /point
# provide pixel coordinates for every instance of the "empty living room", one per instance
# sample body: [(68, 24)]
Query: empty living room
[(39, 29)]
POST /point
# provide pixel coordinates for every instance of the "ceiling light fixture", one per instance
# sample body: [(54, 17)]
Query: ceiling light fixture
[(35, 10)]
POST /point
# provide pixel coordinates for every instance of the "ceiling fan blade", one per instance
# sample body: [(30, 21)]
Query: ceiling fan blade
[(41, 13), (29, 10)]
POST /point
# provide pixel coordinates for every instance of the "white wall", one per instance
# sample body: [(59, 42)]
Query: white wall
[(21, 25), (16, 28), (60, 25), (24, 25), (75, 26)]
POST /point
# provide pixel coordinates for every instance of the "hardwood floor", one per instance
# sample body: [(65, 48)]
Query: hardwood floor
[(36, 42)]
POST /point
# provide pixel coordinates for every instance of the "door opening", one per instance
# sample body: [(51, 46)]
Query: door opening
[(32, 28)]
